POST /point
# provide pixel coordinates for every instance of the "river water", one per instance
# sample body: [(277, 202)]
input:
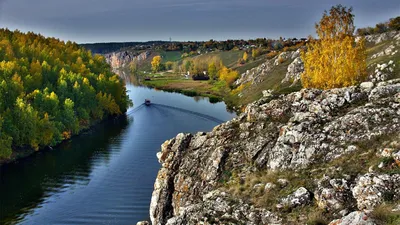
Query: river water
[(106, 175)]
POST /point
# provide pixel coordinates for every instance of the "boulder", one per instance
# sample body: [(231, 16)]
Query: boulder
[(371, 190), (354, 218), (300, 197)]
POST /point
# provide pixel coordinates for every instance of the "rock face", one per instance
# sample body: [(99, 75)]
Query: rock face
[(300, 197), (260, 73), (379, 38), (122, 59), (275, 133), (294, 70), (372, 189), (333, 194), (354, 218), (219, 208)]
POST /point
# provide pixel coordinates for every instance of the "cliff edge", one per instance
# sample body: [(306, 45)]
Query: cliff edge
[(286, 136)]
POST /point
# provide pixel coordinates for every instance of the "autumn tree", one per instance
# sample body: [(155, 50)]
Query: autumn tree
[(245, 56), (335, 60), (169, 65), (228, 75), (212, 71), (156, 63), (255, 53)]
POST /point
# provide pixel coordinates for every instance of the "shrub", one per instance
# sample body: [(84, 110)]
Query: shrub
[(272, 55), (335, 60)]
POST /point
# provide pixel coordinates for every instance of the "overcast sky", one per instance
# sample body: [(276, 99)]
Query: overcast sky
[(87, 21)]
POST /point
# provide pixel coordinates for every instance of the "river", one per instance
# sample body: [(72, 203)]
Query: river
[(106, 175)]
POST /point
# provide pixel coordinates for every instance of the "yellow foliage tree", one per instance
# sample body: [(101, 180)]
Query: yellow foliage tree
[(245, 56), (156, 63), (228, 75), (335, 60)]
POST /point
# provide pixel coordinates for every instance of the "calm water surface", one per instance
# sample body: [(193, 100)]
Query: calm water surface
[(104, 176)]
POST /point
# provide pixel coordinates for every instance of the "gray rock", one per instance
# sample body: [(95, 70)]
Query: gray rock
[(293, 131), (371, 190), (294, 70), (333, 194), (354, 218), (366, 86), (300, 197)]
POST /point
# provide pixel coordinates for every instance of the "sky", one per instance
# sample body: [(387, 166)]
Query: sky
[(90, 21)]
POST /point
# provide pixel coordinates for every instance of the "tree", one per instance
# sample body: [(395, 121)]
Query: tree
[(335, 60), (394, 23), (169, 65), (48, 90), (255, 53), (228, 75), (212, 71), (156, 63), (245, 56)]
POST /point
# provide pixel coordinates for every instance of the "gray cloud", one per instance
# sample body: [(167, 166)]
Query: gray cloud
[(132, 20)]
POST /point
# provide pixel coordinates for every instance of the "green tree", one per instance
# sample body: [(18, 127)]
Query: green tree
[(212, 71)]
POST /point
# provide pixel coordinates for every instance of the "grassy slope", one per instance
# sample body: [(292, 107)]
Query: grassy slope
[(373, 49), (174, 82)]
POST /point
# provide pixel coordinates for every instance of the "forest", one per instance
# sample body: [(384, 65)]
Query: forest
[(51, 90)]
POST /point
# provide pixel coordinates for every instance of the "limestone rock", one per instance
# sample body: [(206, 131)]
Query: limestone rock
[(291, 131), (333, 194), (354, 218), (372, 189), (300, 197), (294, 71)]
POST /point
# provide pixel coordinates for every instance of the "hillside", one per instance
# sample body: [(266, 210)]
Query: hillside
[(281, 74), (51, 90), (307, 157)]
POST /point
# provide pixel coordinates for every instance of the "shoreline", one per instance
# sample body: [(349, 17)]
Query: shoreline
[(23, 153)]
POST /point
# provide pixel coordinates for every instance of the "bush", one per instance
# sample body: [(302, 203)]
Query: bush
[(272, 55)]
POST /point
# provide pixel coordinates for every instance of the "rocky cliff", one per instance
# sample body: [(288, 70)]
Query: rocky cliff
[(121, 59), (309, 130)]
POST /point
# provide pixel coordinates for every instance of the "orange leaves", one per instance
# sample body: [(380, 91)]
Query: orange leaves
[(335, 60)]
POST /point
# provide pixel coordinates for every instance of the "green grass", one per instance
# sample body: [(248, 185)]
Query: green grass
[(373, 49), (172, 56), (228, 58), (271, 81)]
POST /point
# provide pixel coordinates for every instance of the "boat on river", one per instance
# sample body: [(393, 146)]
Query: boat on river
[(147, 102)]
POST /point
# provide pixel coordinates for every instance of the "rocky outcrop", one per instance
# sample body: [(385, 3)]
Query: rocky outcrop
[(260, 73), (382, 72), (379, 38), (372, 189), (122, 59), (294, 70), (291, 131), (299, 198), (333, 195), (354, 218), (219, 207)]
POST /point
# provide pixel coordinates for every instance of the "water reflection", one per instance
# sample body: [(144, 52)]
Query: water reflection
[(27, 183), (104, 176)]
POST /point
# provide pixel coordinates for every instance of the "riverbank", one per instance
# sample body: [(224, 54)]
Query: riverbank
[(21, 153)]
